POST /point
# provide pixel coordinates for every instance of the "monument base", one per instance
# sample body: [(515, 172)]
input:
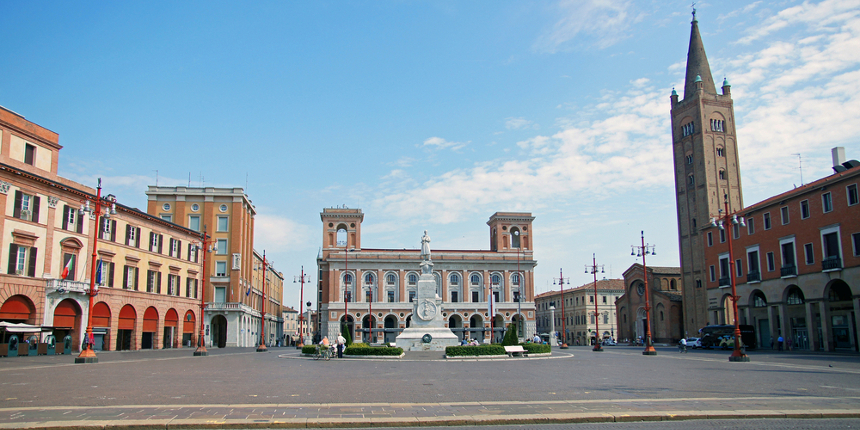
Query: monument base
[(412, 339)]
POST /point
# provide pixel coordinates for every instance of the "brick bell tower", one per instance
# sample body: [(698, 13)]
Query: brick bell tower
[(705, 152)]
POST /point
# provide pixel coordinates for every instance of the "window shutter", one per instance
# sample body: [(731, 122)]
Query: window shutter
[(159, 283), (136, 277), (125, 277), (160, 240), (65, 217), (170, 250), (189, 252), (80, 223), (112, 230), (35, 209), (179, 249), (151, 236), (13, 258), (101, 224), (17, 211), (137, 238), (31, 270), (110, 276), (128, 228)]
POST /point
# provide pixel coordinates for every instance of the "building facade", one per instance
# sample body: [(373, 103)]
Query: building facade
[(291, 325), (796, 264), (233, 293), (580, 325), (666, 300), (705, 152), (355, 281), (148, 295)]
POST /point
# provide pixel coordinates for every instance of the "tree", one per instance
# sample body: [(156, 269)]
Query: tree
[(345, 333), (511, 336)]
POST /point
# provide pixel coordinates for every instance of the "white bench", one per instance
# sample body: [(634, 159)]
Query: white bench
[(514, 350)]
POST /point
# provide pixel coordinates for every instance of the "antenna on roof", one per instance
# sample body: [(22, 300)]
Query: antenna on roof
[(156, 178), (800, 166)]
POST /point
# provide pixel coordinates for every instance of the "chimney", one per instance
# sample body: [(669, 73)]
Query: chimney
[(838, 154)]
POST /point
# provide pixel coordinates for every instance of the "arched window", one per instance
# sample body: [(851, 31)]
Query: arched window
[(347, 279), (673, 285), (413, 279), (475, 279), (515, 279), (515, 237), (661, 315), (368, 279), (341, 235), (496, 279), (795, 297), (722, 174), (759, 301), (455, 279)]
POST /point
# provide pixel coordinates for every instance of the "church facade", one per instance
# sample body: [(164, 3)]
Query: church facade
[(371, 288)]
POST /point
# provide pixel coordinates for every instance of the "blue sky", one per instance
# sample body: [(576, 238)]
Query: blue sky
[(431, 115)]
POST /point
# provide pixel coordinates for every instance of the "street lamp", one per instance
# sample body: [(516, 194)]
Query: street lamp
[(207, 245), (561, 281), (519, 285), (724, 217), (305, 277), (108, 205), (265, 268), (347, 295), (593, 267), (642, 251)]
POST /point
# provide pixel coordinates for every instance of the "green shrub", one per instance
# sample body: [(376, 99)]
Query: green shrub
[(369, 350), (537, 348), (461, 351), (511, 336), (309, 349), (345, 333), (359, 345)]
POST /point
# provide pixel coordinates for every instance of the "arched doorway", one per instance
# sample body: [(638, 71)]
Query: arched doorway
[(455, 323), (499, 329), (189, 324), (171, 323), (67, 319), (18, 309), (521, 327), (366, 323), (640, 325), (476, 328), (390, 328), (348, 322), (101, 326), (842, 318), (150, 327), (125, 329), (219, 331)]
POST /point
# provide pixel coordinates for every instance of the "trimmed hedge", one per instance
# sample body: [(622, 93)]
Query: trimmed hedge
[(536, 348), (460, 351), (309, 349), (371, 350)]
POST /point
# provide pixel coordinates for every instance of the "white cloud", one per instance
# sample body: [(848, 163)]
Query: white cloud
[(278, 234), (519, 124), (440, 143), (818, 16), (590, 23)]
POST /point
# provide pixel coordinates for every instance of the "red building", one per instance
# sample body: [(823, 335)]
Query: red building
[(796, 264)]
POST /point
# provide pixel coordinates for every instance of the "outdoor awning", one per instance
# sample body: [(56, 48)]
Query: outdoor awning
[(21, 328)]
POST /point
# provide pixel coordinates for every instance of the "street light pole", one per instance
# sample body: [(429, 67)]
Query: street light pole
[(206, 247), (301, 279), (733, 220), (87, 354), (643, 250), (594, 266), (262, 346), (561, 280), (370, 313), (519, 287)]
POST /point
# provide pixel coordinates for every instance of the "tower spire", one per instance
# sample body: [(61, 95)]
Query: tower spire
[(697, 63)]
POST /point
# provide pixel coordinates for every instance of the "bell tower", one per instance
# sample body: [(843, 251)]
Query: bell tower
[(341, 228), (705, 153)]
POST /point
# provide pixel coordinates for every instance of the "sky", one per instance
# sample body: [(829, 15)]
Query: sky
[(431, 115)]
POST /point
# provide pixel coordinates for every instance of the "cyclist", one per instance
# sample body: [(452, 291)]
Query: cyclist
[(682, 345)]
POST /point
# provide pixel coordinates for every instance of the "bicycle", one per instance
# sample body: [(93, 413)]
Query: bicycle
[(324, 353), (682, 348)]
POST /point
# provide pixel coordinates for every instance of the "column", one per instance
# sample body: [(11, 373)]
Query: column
[(772, 323), (856, 322), (811, 326), (826, 342), (784, 329)]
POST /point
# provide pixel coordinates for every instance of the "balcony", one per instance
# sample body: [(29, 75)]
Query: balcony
[(753, 277), (788, 271), (63, 286), (831, 263), (725, 282)]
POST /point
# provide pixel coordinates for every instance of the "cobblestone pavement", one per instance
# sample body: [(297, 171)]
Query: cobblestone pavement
[(239, 388)]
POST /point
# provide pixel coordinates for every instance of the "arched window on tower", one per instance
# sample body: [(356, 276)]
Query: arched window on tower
[(341, 235), (721, 152), (515, 238), (722, 174)]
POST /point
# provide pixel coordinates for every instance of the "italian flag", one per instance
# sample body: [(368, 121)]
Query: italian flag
[(66, 269)]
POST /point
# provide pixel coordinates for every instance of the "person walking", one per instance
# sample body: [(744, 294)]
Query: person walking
[(788, 343), (341, 344), (682, 345), (779, 342)]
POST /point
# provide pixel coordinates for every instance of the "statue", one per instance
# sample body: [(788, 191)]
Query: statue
[(426, 264)]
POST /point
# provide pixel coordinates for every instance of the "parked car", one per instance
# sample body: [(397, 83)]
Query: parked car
[(694, 342), (609, 342)]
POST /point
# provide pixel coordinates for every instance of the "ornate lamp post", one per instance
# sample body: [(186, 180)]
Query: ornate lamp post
[(304, 277), (347, 295), (206, 245), (265, 268), (642, 251), (593, 267), (108, 205), (725, 217), (561, 281)]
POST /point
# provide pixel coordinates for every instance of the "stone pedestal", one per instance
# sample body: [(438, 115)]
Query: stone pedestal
[(427, 331)]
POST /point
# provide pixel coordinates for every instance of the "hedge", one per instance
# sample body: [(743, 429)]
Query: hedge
[(537, 348), (309, 349), (369, 350), (460, 351)]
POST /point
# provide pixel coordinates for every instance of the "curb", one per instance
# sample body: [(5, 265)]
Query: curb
[(480, 420)]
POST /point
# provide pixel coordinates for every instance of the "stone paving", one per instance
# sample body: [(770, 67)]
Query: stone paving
[(237, 388)]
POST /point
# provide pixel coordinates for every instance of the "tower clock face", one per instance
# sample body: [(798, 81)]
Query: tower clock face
[(640, 289)]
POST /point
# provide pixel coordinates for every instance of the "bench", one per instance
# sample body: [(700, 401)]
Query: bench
[(514, 350)]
